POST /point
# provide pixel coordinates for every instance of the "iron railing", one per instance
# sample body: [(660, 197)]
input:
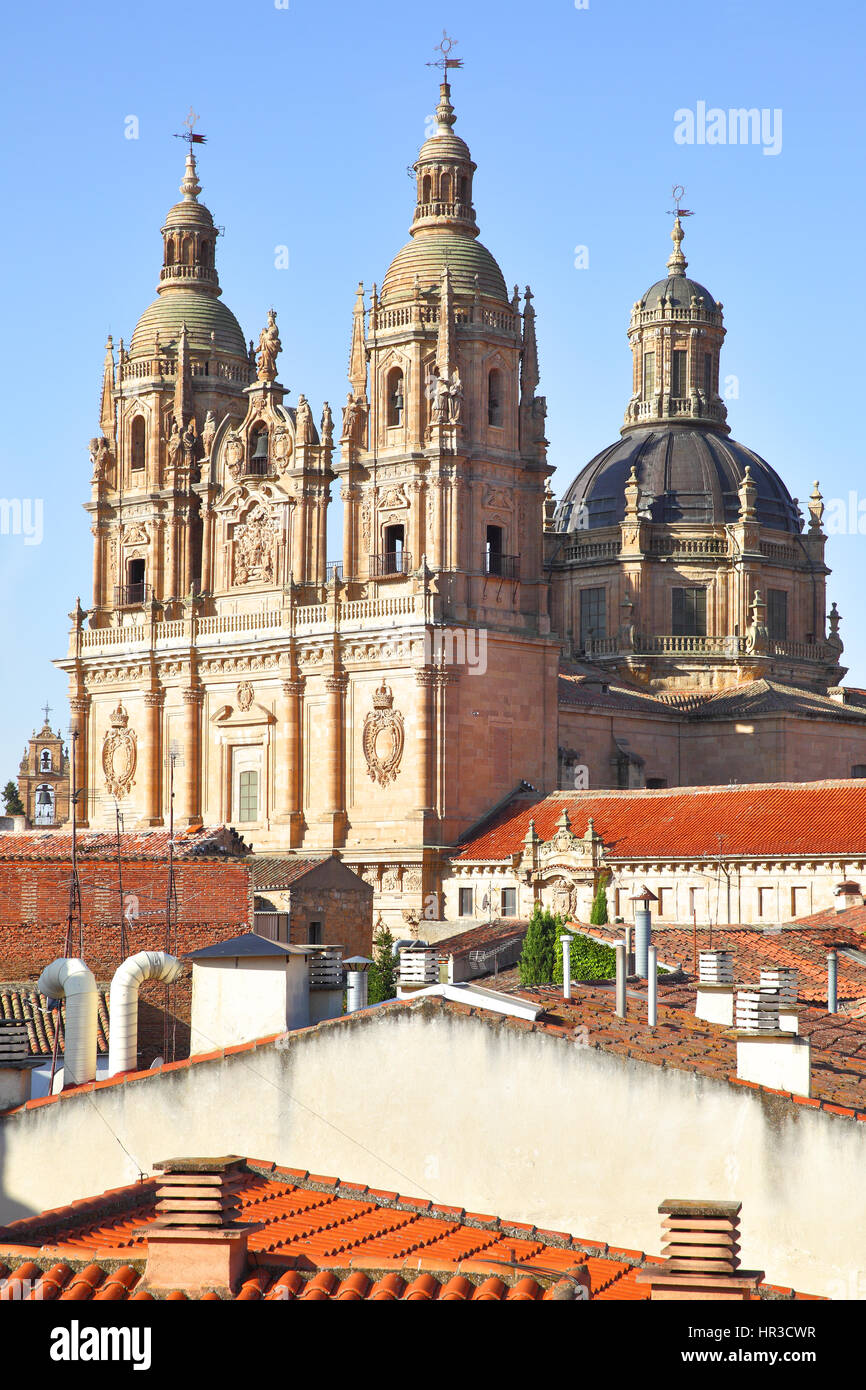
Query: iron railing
[(391, 562), (503, 566), (131, 595)]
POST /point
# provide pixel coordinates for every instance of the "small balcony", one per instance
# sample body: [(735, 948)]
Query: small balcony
[(389, 563), (132, 595), (501, 566), (257, 468), (333, 570)]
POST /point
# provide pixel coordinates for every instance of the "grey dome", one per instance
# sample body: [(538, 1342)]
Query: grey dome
[(677, 290), (686, 474)]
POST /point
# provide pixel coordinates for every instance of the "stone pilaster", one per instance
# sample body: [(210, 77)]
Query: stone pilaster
[(151, 759), (189, 808)]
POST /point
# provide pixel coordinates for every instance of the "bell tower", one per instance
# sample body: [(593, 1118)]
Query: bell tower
[(443, 459)]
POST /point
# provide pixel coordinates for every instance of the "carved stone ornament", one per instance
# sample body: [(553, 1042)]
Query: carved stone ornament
[(497, 497), (234, 453), (394, 497), (563, 898), (282, 447), (245, 696), (119, 754), (383, 737), (254, 548)]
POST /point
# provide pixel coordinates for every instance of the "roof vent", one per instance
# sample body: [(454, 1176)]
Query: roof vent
[(766, 1054), (195, 1241), (701, 1245), (784, 983), (419, 968)]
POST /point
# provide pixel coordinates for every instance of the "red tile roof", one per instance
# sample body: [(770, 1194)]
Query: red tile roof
[(196, 842), (22, 1002), (779, 819), (318, 1238), (487, 934), (800, 946)]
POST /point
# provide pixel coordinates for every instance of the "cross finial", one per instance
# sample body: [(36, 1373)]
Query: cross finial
[(47, 708)]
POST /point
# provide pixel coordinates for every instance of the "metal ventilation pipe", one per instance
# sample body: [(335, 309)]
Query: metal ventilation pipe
[(642, 933), (69, 978), (356, 982), (123, 1004), (621, 969), (565, 943), (832, 982), (652, 987)]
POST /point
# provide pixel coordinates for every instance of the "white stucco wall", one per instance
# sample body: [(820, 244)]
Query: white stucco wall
[(237, 999), (529, 1126)]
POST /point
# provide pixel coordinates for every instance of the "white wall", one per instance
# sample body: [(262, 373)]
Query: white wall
[(239, 999), (529, 1126)]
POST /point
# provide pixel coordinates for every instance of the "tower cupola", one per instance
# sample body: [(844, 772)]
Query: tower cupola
[(676, 334)]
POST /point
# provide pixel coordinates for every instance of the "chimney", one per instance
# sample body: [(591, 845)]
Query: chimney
[(642, 930), (701, 1245), (419, 969), (325, 964), (765, 1054), (620, 1005), (832, 982), (846, 895), (784, 983), (565, 943), (196, 1243), (715, 996), (356, 983)]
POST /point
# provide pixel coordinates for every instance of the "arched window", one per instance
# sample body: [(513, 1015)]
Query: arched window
[(708, 373), (445, 187), (169, 251), (494, 398), (461, 188), (206, 254), (257, 463), (395, 396), (426, 189), (44, 808), (187, 250), (45, 760), (137, 442)]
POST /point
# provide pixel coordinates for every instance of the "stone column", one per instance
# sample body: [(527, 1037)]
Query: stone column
[(349, 497), (172, 577), (98, 532), (207, 517), (424, 679), (299, 538), (189, 802), (79, 712), (288, 799), (334, 759), (150, 755)]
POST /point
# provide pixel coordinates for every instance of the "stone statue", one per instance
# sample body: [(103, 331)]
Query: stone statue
[(455, 397), (208, 432), (351, 412), (327, 430), (174, 445), (99, 453), (189, 441), (304, 430), (440, 400), (269, 347)]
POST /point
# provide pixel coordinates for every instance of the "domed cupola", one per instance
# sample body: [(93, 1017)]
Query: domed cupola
[(676, 334), (189, 289), (444, 231)]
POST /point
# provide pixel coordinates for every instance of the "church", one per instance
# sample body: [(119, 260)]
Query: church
[(664, 624)]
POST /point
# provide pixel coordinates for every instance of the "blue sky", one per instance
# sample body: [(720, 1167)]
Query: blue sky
[(313, 113)]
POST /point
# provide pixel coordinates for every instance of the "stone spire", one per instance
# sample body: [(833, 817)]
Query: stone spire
[(106, 403), (446, 344), (444, 169), (183, 406), (358, 351), (677, 262), (529, 373)]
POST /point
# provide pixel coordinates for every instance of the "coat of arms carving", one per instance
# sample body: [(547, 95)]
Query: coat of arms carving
[(383, 737), (254, 548), (119, 753), (245, 695)]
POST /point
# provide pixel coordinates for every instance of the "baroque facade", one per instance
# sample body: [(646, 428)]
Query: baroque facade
[(473, 635)]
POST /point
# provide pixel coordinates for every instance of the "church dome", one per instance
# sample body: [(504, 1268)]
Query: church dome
[(687, 475), (202, 314), (678, 292), (428, 254)]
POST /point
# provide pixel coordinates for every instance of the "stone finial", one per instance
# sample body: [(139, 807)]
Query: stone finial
[(190, 186), (834, 617), (816, 510), (632, 495), (748, 495), (677, 262)]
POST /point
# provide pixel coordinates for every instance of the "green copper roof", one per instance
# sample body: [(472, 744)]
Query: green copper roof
[(428, 253), (203, 314)]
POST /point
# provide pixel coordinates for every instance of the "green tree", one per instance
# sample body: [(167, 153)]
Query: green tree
[(598, 915), (381, 979), (540, 947), (12, 801)]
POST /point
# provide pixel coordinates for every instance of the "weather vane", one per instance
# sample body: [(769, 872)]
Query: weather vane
[(446, 61), (677, 193), (190, 135)]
